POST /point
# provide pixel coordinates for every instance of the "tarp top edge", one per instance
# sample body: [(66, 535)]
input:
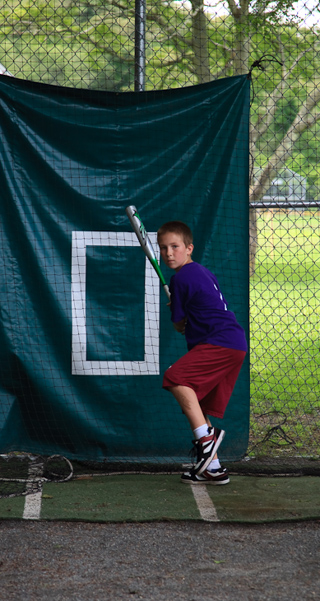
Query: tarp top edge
[(115, 98)]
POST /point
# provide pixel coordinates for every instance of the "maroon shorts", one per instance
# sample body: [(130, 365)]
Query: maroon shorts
[(211, 371)]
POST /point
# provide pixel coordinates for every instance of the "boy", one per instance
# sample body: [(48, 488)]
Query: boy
[(201, 381)]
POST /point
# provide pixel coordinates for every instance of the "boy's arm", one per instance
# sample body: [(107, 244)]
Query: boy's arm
[(177, 309), (180, 326)]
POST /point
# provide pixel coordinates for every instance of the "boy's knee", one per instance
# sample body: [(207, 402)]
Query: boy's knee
[(170, 388)]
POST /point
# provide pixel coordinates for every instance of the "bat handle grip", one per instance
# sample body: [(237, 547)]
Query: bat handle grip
[(166, 289)]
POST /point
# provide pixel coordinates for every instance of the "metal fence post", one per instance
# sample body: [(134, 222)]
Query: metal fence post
[(139, 45)]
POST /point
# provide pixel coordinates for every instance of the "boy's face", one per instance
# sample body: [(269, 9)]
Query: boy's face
[(173, 250)]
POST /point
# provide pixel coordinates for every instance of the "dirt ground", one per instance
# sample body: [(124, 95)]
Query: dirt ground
[(56, 561)]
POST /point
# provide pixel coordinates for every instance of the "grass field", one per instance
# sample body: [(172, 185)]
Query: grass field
[(284, 337)]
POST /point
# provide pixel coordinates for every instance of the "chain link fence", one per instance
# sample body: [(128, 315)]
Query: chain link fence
[(284, 317), (124, 46)]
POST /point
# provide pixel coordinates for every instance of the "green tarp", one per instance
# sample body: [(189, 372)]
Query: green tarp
[(85, 328)]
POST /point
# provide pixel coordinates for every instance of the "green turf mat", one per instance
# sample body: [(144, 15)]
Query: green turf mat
[(254, 499), (120, 498), (12, 508), (144, 497)]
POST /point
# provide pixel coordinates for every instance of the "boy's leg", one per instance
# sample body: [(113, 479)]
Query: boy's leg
[(189, 404), (213, 474), (208, 444)]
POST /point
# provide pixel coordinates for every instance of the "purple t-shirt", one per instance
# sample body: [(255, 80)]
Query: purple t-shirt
[(195, 294)]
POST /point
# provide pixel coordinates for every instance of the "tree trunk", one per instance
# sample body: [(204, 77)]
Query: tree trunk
[(200, 42), (242, 37)]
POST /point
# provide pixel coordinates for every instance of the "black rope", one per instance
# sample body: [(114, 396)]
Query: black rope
[(258, 64), (270, 58), (276, 430)]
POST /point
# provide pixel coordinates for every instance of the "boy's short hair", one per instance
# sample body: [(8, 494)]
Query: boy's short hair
[(176, 227)]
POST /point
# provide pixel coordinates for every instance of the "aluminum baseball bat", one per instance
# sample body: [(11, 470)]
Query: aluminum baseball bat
[(145, 243)]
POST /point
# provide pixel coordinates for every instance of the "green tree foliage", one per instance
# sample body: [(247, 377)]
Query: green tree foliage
[(90, 43)]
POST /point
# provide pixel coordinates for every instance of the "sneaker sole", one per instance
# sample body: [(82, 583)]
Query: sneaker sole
[(211, 482), (221, 483), (212, 454)]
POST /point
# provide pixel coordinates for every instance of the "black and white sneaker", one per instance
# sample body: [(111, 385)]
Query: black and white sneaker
[(206, 448), (216, 477)]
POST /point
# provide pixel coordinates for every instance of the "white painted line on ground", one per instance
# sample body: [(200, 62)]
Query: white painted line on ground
[(32, 504), (206, 508)]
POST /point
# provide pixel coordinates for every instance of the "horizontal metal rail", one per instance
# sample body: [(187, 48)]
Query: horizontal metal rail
[(285, 204)]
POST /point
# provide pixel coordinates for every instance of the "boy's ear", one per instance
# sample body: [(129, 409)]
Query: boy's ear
[(190, 247)]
